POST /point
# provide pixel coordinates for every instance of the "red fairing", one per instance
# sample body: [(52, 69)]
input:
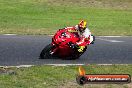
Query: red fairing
[(61, 40), (82, 41), (63, 37)]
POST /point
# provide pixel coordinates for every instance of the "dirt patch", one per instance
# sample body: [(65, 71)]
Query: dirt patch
[(7, 71)]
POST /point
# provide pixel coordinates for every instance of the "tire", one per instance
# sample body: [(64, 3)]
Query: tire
[(45, 53)]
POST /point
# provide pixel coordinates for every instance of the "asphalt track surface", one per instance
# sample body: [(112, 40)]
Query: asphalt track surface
[(25, 50)]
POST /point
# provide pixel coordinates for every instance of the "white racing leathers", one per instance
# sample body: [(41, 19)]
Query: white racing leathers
[(84, 35)]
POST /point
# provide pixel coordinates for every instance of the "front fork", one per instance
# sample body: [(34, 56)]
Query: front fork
[(54, 49)]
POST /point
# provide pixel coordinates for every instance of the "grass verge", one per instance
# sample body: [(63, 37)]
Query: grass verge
[(58, 76), (38, 17)]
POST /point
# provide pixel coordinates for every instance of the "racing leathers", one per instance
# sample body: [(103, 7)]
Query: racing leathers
[(83, 35)]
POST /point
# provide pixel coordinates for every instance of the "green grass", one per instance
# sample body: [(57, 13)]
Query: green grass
[(57, 76), (38, 17)]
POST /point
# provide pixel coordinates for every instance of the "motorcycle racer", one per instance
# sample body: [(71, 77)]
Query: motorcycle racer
[(84, 34), (69, 42)]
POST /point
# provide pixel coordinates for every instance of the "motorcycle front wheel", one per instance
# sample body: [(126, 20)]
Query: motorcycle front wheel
[(45, 53)]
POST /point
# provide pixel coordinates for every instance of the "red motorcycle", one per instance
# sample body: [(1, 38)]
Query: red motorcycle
[(63, 46)]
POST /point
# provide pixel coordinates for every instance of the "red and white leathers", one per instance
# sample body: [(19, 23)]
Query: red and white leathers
[(84, 35)]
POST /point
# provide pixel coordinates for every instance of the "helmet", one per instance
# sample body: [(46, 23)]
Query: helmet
[(82, 25)]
